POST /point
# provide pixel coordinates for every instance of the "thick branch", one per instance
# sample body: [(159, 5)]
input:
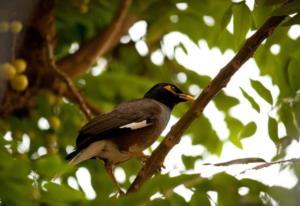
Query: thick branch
[(87, 55), (220, 81)]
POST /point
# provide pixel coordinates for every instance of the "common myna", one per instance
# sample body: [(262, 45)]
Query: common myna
[(127, 130)]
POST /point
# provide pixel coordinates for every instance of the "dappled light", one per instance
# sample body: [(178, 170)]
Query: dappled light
[(89, 93)]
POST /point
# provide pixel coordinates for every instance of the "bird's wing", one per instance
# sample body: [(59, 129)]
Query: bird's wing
[(124, 118)]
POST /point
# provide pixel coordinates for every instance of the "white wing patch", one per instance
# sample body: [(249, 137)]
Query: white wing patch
[(136, 125)]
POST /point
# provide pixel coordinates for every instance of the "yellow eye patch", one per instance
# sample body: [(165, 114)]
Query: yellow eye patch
[(169, 88)]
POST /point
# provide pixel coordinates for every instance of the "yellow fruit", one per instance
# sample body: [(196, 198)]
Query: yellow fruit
[(4, 26), (54, 122), (19, 82), (16, 27), (7, 71), (50, 98), (20, 65)]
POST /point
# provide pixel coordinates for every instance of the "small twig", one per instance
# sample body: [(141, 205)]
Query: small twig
[(219, 82), (95, 110), (238, 161), (68, 81), (13, 50), (267, 164), (89, 51)]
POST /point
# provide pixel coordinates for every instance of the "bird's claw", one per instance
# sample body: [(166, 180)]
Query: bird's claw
[(144, 158), (159, 169)]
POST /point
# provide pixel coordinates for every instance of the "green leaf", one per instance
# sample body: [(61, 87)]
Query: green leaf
[(287, 117), (273, 130), (248, 130), (293, 74), (225, 102), (289, 8), (294, 20), (234, 126), (199, 198), (181, 46), (269, 2), (61, 195), (189, 161), (202, 133), (262, 91), (226, 17), (251, 100), (241, 22), (49, 166)]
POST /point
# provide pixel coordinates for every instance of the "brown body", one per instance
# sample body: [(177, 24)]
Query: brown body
[(151, 119)]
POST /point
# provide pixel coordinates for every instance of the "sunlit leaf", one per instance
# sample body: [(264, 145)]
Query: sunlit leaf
[(251, 100), (189, 161), (248, 130), (241, 22), (273, 130), (262, 91)]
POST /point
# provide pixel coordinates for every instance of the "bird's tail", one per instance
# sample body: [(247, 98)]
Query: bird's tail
[(91, 151)]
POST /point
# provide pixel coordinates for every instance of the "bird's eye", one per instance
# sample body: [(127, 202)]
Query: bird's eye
[(174, 88)]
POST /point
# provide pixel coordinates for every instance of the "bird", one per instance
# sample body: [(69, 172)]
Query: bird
[(127, 130)]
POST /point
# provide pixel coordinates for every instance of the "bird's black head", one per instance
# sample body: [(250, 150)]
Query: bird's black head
[(168, 94)]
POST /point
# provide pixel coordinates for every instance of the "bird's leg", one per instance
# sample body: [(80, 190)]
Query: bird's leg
[(143, 159), (109, 171), (140, 155)]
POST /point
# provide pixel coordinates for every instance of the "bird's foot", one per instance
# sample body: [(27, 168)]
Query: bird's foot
[(143, 159), (159, 169)]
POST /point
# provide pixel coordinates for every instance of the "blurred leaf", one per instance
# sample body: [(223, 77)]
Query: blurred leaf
[(61, 195), (293, 72), (203, 133), (181, 46), (248, 130), (288, 8), (234, 126), (268, 2), (283, 195), (189, 161), (251, 100), (273, 130), (225, 102), (51, 165), (226, 17), (287, 117), (241, 22), (177, 200), (199, 198), (227, 195), (293, 20), (262, 91)]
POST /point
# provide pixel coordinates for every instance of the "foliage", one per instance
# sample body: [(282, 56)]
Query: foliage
[(26, 174)]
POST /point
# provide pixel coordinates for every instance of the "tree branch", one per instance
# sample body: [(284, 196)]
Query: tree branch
[(87, 55), (238, 161), (64, 77), (267, 164), (173, 137), (95, 110)]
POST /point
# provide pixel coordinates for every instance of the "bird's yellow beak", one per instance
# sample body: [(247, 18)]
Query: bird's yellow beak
[(187, 97)]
